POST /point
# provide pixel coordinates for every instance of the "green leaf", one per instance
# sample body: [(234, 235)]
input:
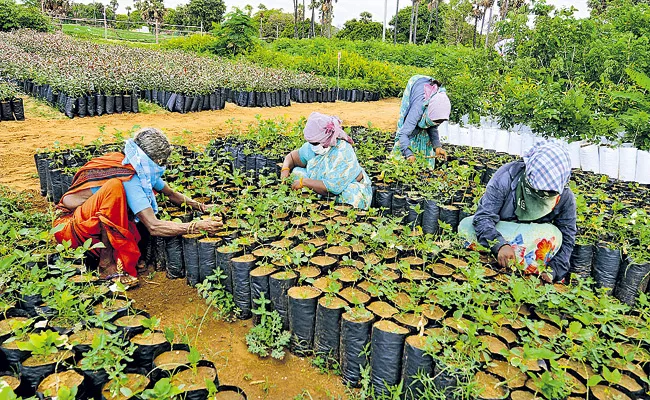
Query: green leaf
[(594, 380)]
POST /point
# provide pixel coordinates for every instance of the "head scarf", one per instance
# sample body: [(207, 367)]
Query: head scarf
[(548, 166), (439, 106), (147, 170), (325, 130)]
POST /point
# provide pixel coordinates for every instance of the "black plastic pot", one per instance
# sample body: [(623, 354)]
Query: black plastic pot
[(70, 107), (581, 260), (412, 218), (126, 103), (386, 348), (119, 103), (144, 353), (632, 280), (207, 249), (94, 382), (32, 375), (259, 281), (224, 256), (100, 100), (279, 285), (18, 109), (55, 176), (398, 205), (91, 104), (355, 336), (187, 106), (327, 332), (191, 258), (110, 104), (241, 269), (416, 361), (451, 216), (383, 200), (82, 107), (230, 391), (5, 111), (174, 250), (135, 106), (607, 263), (196, 102), (302, 318), (41, 168), (197, 394), (430, 216)]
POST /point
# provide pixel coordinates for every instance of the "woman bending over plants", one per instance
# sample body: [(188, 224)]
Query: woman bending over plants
[(425, 106), (112, 192), (527, 215), (327, 163)]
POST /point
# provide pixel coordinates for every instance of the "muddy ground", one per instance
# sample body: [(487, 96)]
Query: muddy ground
[(177, 304)]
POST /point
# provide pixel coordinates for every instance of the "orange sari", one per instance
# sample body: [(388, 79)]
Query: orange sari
[(106, 210)]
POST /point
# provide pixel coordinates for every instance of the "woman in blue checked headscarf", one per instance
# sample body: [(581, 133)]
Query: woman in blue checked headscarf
[(527, 216)]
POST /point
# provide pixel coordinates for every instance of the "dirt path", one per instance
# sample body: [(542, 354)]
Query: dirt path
[(44, 126), (177, 304)]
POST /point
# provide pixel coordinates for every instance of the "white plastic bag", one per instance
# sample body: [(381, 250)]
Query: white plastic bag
[(453, 133), (643, 167), (502, 141), (609, 159), (527, 142), (574, 151), (443, 132), (490, 138), (477, 136), (589, 160), (465, 137), (627, 163), (514, 147)]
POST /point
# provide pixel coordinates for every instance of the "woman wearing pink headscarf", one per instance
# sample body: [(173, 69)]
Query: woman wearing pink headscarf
[(327, 163), (425, 106)]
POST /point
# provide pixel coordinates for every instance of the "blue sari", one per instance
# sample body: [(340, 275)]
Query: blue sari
[(338, 169)]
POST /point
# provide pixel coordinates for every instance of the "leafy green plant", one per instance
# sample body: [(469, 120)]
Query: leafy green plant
[(267, 337)]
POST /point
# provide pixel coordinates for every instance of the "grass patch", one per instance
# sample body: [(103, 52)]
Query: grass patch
[(150, 108), (90, 32), (41, 109)]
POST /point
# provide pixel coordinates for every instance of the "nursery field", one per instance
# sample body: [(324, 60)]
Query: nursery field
[(388, 301)]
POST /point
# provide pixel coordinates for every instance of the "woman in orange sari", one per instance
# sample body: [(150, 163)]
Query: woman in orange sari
[(112, 192)]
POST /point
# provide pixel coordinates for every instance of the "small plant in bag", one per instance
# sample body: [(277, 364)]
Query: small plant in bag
[(267, 337)]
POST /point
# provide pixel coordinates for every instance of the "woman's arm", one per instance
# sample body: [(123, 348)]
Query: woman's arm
[(410, 123), (160, 228), (316, 185), (291, 161), (180, 199)]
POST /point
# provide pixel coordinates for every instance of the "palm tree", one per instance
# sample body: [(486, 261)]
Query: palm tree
[(396, 21), (312, 28), (432, 6), (327, 12)]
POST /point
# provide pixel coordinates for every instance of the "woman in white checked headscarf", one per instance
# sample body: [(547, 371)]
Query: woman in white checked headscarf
[(527, 216)]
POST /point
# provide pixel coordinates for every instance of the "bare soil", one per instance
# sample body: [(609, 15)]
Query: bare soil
[(44, 127), (177, 304)]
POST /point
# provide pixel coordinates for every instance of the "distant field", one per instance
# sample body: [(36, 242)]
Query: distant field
[(115, 34)]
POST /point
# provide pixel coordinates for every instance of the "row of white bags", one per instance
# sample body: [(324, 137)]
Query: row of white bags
[(624, 163)]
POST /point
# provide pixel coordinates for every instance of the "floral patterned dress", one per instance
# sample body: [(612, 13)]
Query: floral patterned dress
[(338, 169), (533, 244)]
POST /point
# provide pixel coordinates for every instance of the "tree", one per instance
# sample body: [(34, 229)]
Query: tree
[(405, 16), (295, 19), (236, 35), (457, 30), (272, 22), (363, 29), (152, 11), (312, 25), (205, 12), (113, 5), (55, 7), (16, 16), (327, 14)]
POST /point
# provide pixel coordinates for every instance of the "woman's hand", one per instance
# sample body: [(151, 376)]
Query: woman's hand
[(410, 159), (506, 256), (297, 184), (284, 174), (210, 226), (441, 153)]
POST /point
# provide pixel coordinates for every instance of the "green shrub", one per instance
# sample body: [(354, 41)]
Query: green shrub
[(16, 16), (197, 43)]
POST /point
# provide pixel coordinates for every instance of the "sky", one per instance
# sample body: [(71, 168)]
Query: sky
[(347, 9)]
